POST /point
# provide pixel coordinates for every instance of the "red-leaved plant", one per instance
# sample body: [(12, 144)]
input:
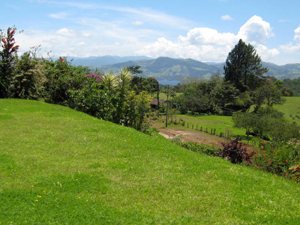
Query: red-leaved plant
[(235, 152)]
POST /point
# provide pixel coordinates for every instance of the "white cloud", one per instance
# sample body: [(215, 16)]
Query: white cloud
[(81, 43), (138, 23), (150, 16), (226, 17), (208, 36), (266, 53), (72, 33), (290, 48), (206, 44), (67, 42), (297, 34), (164, 47), (255, 30), (60, 15)]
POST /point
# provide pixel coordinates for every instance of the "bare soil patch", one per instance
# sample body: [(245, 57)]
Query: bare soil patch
[(199, 137)]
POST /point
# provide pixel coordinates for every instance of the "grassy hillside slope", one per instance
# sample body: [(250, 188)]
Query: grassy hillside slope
[(291, 108), (59, 166)]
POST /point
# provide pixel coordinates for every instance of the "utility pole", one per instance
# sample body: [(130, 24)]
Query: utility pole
[(167, 111)]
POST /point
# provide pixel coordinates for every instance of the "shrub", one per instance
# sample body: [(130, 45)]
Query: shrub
[(177, 138), (295, 172), (196, 147), (267, 123), (111, 101), (28, 81), (62, 77), (234, 152), (277, 157)]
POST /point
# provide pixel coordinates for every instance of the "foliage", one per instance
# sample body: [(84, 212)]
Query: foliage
[(108, 97), (150, 84), (234, 152), (7, 60), (292, 85), (278, 157), (242, 102), (29, 80), (288, 92), (135, 69), (295, 172), (267, 123), (206, 97), (62, 77), (243, 67), (196, 147), (136, 110), (268, 94)]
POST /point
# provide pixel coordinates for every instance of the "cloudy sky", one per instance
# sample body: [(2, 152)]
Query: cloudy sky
[(205, 30)]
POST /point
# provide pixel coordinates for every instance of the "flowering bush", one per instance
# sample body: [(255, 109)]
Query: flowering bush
[(295, 172), (277, 157), (108, 97), (92, 75), (7, 59)]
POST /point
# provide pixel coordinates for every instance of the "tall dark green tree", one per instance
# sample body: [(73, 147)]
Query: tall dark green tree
[(243, 67)]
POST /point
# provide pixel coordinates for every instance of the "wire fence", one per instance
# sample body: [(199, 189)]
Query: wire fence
[(212, 131)]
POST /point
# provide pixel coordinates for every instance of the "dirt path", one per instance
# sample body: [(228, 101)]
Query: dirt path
[(197, 136), (200, 137)]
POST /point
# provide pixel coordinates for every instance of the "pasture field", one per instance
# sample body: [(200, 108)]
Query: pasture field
[(60, 166), (291, 109), (221, 124)]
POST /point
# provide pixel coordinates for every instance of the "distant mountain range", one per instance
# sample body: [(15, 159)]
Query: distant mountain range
[(96, 61), (170, 70)]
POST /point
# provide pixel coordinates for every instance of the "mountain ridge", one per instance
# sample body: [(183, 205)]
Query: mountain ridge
[(175, 69)]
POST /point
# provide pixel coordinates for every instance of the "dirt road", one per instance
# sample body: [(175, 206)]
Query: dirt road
[(198, 136)]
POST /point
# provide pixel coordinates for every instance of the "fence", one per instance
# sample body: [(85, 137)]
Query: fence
[(213, 131)]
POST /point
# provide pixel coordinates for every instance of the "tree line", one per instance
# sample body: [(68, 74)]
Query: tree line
[(244, 92)]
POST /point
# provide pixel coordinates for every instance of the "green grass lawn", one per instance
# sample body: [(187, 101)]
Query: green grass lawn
[(59, 166), (290, 108), (164, 96)]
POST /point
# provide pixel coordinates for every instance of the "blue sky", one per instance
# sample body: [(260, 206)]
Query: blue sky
[(204, 30)]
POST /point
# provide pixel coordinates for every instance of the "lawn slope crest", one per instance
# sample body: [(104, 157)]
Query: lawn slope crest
[(59, 166)]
